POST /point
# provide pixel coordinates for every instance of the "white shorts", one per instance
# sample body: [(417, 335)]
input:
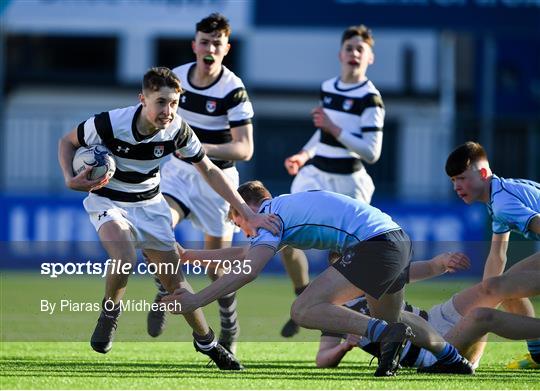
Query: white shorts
[(150, 224), (358, 185), (207, 209), (442, 317)]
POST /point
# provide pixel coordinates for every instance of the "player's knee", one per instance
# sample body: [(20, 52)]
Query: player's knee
[(298, 312), (492, 286), (482, 315)]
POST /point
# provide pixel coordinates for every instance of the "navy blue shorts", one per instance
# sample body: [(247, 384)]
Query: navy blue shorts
[(378, 265)]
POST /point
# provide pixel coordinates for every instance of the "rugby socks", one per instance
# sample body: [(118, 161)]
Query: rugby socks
[(448, 355), (375, 329), (205, 342), (228, 314), (161, 289), (534, 348)]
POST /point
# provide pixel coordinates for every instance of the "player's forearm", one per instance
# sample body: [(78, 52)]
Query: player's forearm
[(224, 285), (309, 148), (330, 358), (368, 146), (494, 266), (66, 151), (232, 253), (422, 270), (234, 150)]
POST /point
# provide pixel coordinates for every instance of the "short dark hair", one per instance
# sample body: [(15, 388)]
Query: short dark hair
[(360, 30), (253, 193), (214, 22), (158, 77), (463, 157)]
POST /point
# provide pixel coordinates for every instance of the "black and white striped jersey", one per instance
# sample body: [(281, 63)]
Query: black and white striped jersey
[(410, 353), (213, 110), (137, 157), (359, 111)]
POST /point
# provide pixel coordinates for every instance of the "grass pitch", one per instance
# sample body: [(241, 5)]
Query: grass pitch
[(36, 352)]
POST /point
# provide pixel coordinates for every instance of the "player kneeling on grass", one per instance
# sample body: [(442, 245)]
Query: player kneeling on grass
[(129, 212), (375, 261), (463, 320), (513, 205)]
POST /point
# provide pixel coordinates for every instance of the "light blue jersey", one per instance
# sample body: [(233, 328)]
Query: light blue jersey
[(322, 220), (513, 204)]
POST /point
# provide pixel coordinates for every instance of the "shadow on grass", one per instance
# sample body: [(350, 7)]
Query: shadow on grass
[(255, 370)]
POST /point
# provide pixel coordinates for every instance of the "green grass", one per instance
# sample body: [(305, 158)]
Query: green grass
[(36, 354)]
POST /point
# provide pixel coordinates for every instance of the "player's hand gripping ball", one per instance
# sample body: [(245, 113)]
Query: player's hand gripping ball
[(96, 156)]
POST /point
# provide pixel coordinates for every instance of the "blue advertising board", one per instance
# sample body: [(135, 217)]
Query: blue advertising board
[(38, 229)]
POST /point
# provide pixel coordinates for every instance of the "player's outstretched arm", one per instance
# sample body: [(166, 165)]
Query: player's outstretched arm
[(442, 263), (213, 258), (239, 148), (332, 350), (67, 146), (256, 258)]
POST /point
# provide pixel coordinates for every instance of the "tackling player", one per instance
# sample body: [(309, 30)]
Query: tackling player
[(349, 134)]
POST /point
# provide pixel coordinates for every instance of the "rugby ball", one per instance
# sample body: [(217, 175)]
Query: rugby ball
[(96, 156)]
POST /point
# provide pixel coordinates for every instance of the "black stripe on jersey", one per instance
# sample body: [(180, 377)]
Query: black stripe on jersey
[(80, 134), (133, 176), (351, 105), (371, 129), (202, 104), (234, 124), (213, 136), (194, 159), (151, 150), (123, 196), (235, 97), (336, 165), (102, 122), (328, 139)]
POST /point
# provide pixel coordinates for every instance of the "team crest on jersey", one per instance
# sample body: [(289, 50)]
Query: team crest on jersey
[(211, 106), (327, 100), (348, 104), (158, 150)]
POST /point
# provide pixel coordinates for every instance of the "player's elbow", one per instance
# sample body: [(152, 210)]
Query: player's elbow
[(245, 153), (372, 157)]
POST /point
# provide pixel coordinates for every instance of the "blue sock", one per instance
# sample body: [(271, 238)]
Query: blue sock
[(534, 348), (375, 328), (448, 355)]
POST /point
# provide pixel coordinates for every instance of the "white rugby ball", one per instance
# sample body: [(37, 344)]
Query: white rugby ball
[(96, 156)]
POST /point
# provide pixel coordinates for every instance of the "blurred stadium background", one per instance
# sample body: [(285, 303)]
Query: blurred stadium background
[(448, 71)]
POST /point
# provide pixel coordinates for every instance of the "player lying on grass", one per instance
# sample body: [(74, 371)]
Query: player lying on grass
[(463, 320), (513, 204), (375, 261)]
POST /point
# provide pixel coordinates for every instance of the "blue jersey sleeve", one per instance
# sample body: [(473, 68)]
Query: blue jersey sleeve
[(511, 213), (266, 238)]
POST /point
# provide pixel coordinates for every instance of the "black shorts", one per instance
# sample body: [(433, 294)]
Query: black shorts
[(378, 265)]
